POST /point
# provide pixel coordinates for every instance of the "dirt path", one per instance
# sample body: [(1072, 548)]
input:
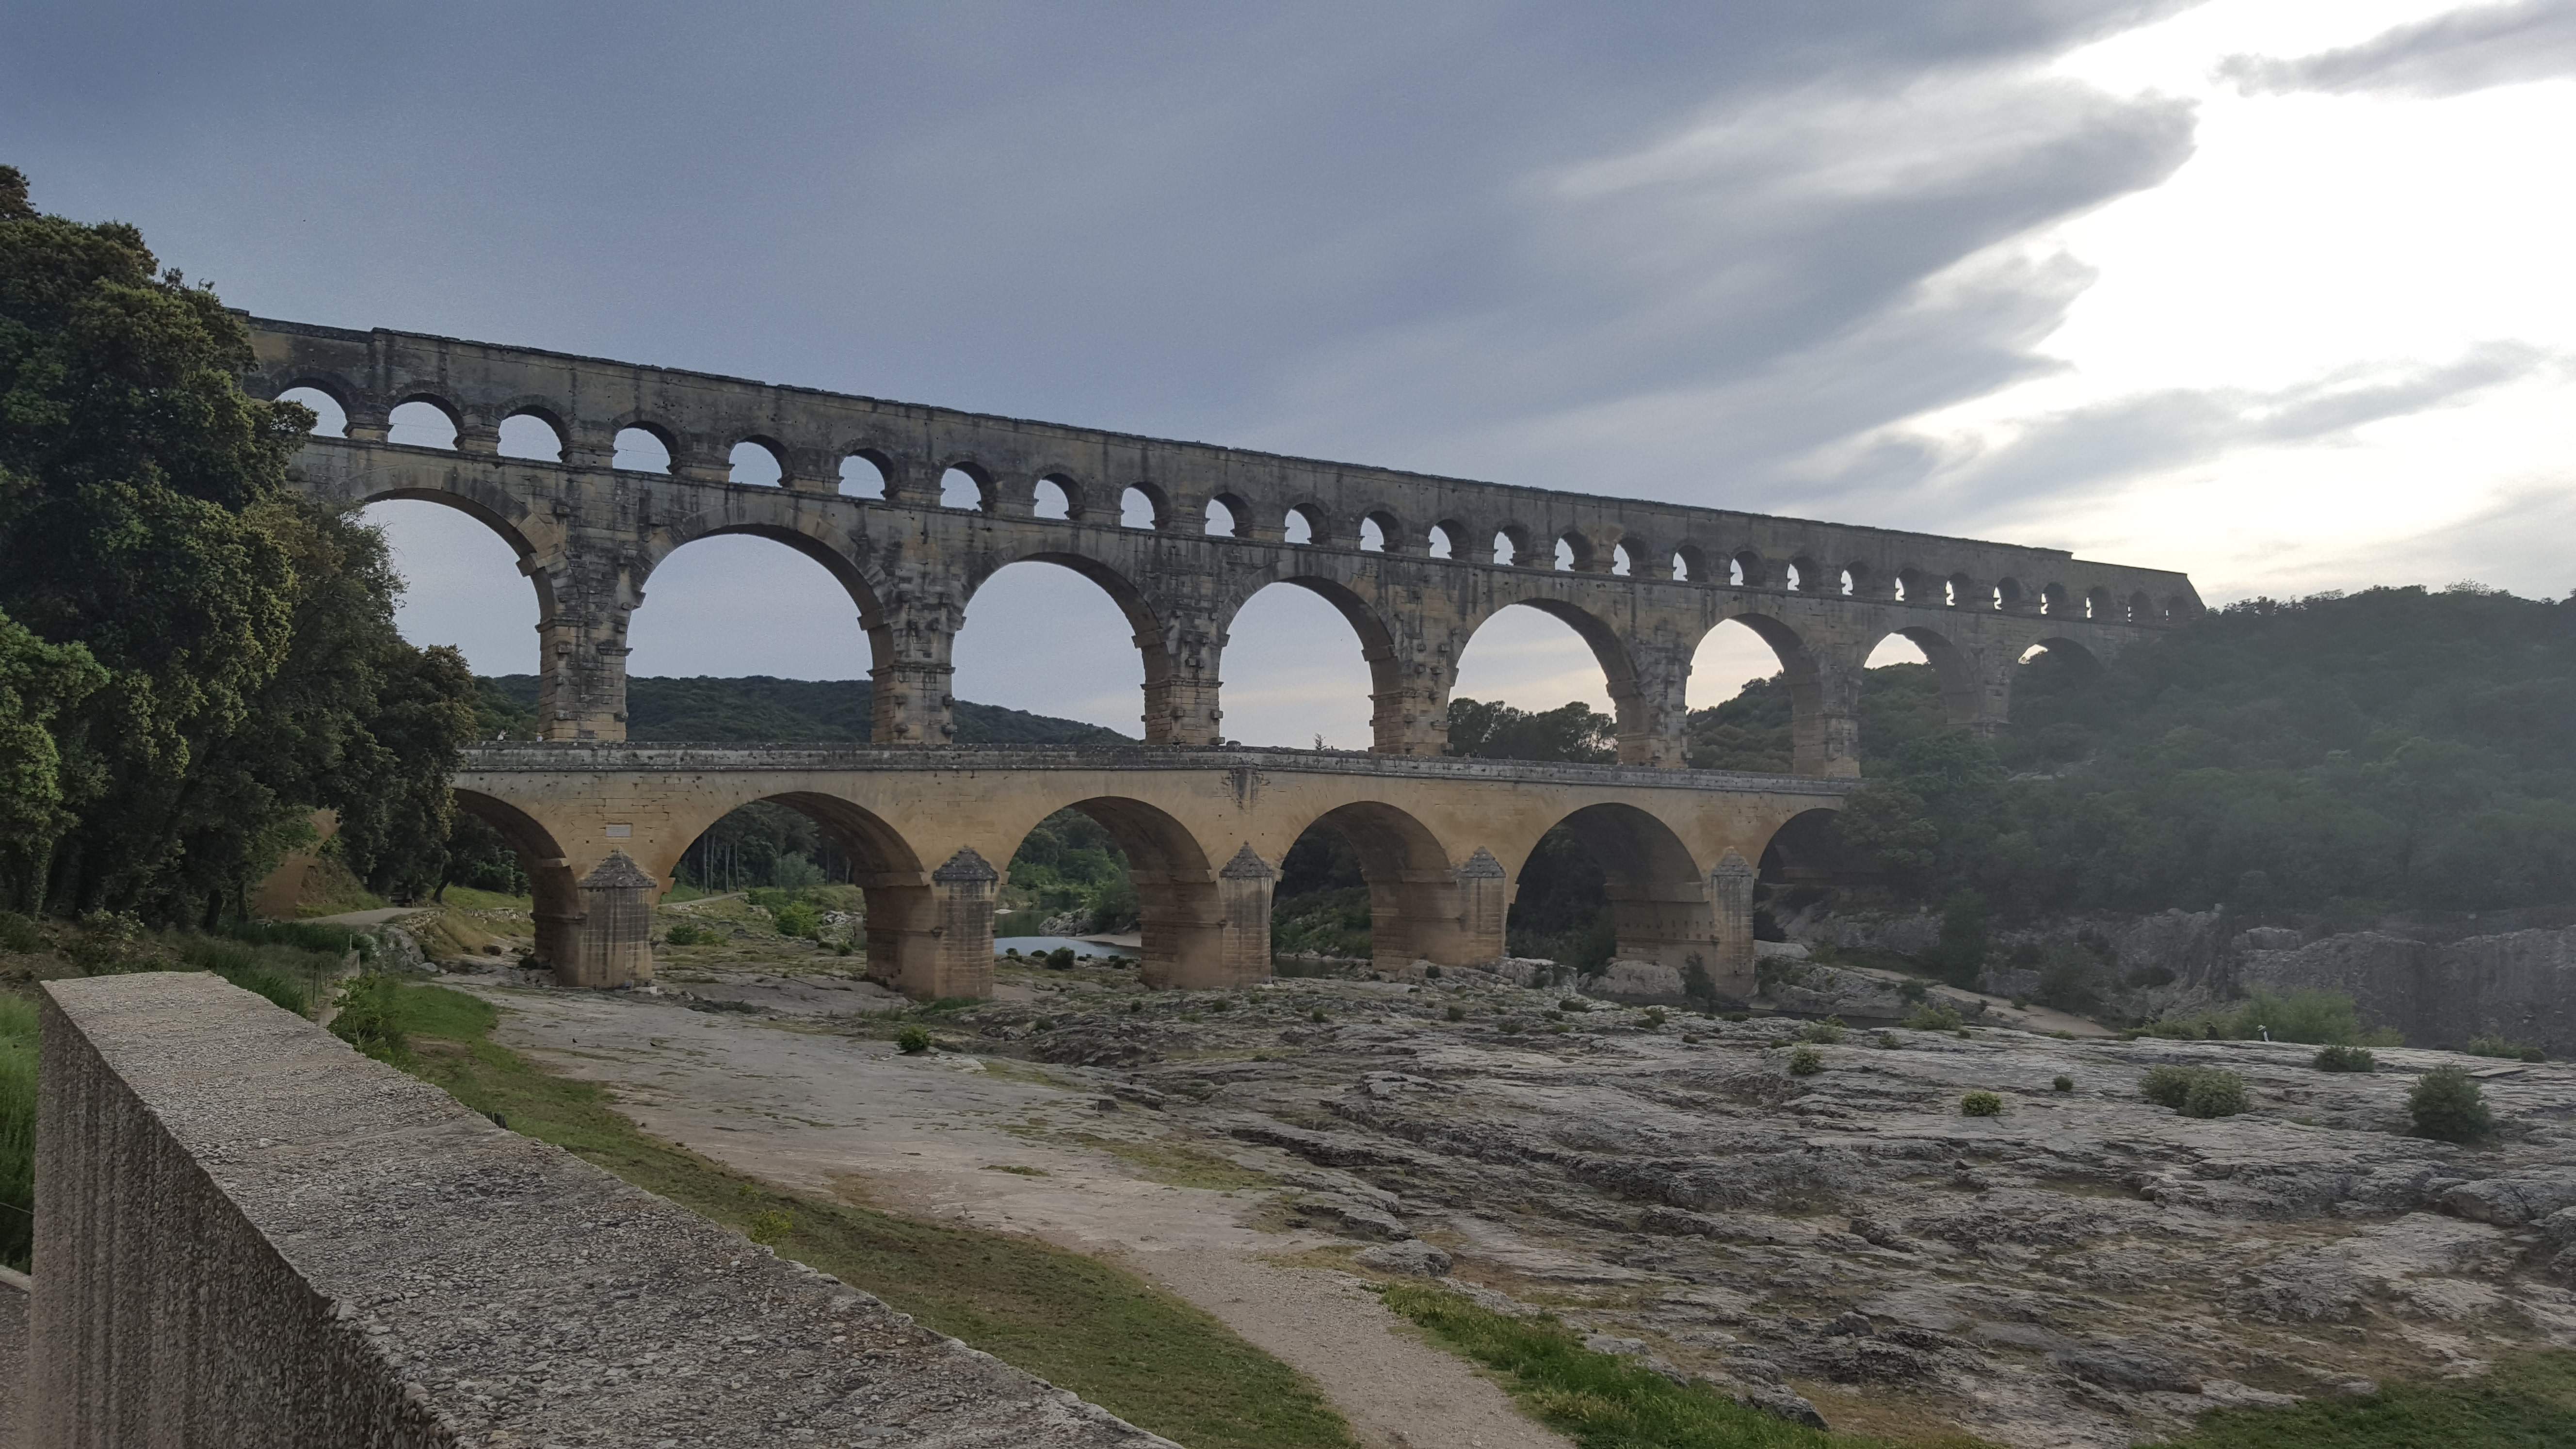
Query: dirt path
[(832, 1115)]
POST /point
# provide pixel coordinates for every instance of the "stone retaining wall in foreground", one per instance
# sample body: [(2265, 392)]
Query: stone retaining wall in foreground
[(247, 1234)]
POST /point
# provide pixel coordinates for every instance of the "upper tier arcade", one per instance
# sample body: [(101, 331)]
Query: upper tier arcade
[(1642, 582)]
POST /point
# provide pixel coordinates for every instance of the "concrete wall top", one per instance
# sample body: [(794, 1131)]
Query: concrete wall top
[(701, 417), (250, 1234)]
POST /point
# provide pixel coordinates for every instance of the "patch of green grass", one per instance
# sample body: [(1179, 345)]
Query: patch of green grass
[(17, 1130), (466, 898), (1599, 1400), (2524, 1403), (1174, 1165), (1083, 1325)]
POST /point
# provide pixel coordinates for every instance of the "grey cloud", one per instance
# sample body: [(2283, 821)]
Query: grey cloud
[(2064, 457), (2465, 50)]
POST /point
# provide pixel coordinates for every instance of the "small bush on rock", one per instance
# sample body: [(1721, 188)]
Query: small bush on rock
[(1887, 1041), (1457, 1013), (2346, 1059), (913, 1041), (2448, 1106), (1932, 1018), (2195, 1091), (2064, 1084), (1806, 1062), (2512, 1051), (1828, 1031), (1981, 1104), (1654, 1016)]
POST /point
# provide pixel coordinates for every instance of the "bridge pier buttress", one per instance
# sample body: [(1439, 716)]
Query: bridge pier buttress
[(1243, 892), (932, 938), (581, 644), (909, 702)]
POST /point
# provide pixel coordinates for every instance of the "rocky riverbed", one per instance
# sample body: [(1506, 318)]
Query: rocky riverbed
[(2083, 1268)]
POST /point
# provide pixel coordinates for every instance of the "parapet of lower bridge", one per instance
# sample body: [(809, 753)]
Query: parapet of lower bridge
[(248, 1234), (601, 827)]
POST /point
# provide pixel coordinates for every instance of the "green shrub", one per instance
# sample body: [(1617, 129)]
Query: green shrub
[(370, 1018), (1509, 1028), (1457, 1013), (1739, 1016), (1828, 1031), (2447, 1106), (2063, 1084), (2512, 1051), (1806, 1062), (1980, 1104), (19, 934), (1317, 1015), (769, 1227), (1654, 1016), (1887, 1041), (798, 918), (912, 1041), (690, 933), (333, 941), (2311, 1015), (1574, 1003), (1928, 1017), (2195, 1091), (2346, 1059), (1060, 959)]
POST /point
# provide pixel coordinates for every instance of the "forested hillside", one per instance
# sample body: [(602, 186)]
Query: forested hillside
[(2319, 761), (757, 707)]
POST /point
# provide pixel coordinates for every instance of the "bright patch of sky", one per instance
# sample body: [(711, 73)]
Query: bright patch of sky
[(2336, 347)]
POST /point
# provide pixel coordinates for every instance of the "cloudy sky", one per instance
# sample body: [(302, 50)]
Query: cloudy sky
[(2274, 292)]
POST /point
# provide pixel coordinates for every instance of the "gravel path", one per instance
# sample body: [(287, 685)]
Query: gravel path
[(833, 1115)]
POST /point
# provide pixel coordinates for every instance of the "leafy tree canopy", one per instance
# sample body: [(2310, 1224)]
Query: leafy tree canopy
[(2325, 760), (207, 658)]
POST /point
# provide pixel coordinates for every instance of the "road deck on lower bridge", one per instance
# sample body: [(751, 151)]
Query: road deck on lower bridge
[(1442, 841)]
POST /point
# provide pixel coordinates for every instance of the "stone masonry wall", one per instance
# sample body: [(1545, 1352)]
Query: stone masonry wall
[(248, 1234)]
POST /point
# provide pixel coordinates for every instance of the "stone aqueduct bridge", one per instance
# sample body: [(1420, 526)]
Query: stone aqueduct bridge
[(1203, 823)]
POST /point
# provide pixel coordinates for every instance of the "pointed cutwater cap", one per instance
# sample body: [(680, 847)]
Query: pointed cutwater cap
[(1247, 866), (965, 866), (618, 872)]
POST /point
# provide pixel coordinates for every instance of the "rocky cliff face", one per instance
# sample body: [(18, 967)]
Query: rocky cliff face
[(2520, 986), (2438, 985)]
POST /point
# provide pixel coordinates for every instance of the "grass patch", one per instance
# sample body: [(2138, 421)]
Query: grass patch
[(1599, 1400), (2524, 1403), (1174, 1165), (17, 1130), (1076, 1321), (466, 898)]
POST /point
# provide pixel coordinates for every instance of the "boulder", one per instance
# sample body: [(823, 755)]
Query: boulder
[(1413, 1258)]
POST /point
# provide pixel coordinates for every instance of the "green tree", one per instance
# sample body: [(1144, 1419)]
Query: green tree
[(246, 668), (1573, 733)]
